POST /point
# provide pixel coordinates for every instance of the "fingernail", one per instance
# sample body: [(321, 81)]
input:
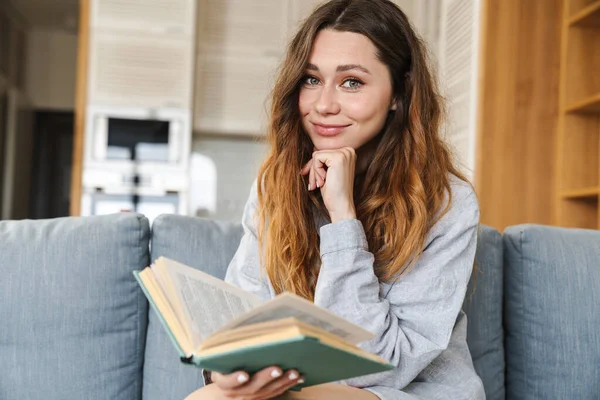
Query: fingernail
[(275, 373), (293, 375), (309, 187), (318, 184), (301, 380), (242, 378)]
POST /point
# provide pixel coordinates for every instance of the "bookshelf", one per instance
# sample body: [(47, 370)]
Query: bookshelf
[(578, 135)]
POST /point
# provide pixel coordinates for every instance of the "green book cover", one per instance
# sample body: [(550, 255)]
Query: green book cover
[(317, 362)]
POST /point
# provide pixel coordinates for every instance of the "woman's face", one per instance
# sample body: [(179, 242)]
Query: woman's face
[(346, 93)]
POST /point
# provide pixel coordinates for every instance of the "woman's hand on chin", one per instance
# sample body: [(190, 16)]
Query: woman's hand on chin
[(332, 171)]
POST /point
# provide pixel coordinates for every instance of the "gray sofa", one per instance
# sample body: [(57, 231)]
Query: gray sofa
[(74, 324)]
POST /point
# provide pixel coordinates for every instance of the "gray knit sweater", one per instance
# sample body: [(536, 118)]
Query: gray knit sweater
[(418, 322)]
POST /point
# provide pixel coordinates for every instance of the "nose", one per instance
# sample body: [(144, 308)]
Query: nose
[(327, 101)]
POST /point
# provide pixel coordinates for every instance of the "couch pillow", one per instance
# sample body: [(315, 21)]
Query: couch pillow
[(200, 243), (552, 313), (483, 306), (73, 321)]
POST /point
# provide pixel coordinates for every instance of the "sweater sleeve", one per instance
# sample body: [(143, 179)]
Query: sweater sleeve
[(412, 318), (244, 269)]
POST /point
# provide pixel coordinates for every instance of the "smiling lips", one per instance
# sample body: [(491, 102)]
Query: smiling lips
[(329, 130)]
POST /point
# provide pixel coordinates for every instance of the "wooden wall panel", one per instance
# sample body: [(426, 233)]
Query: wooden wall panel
[(518, 111), (80, 104)]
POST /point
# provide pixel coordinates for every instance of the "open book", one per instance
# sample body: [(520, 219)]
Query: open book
[(219, 327)]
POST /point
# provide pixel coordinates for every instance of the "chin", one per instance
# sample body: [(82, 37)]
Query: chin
[(330, 143)]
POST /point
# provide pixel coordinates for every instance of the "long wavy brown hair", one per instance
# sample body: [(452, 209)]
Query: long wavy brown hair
[(406, 183)]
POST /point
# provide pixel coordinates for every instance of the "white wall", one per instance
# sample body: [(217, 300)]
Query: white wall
[(459, 73), (409, 7), (237, 161), (51, 69)]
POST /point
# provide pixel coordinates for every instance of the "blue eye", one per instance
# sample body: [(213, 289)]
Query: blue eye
[(310, 80), (352, 83)]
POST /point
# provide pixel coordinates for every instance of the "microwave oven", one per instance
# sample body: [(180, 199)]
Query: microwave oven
[(117, 138)]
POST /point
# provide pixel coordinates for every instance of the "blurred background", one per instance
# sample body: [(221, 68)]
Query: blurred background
[(159, 106)]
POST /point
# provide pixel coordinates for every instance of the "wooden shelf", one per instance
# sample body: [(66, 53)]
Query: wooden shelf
[(589, 105), (589, 16), (585, 193), (578, 136), (579, 213)]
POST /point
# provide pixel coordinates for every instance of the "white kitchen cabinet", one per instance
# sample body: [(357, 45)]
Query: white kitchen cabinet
[(240, 46), (141, 53)]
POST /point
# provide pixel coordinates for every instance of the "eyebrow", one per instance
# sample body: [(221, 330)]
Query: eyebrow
[(342, 68)]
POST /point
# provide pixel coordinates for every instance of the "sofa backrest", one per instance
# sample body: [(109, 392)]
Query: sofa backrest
[(552, 312), (73, 322), (483, 306)]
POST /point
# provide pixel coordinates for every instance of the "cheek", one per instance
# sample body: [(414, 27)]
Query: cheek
[(365, 109), (304, 102)]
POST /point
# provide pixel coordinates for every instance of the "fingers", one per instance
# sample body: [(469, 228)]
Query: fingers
[(267, 383), (324, 160), (319, 173), (315, 180), (283, 384), (263, 378), (306, 168), (316, 168), (230, 381), (272, 382)]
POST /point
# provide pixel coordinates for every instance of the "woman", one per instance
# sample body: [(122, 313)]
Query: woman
[(361, 210)]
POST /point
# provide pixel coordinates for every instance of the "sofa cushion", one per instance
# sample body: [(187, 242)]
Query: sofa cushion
[(483, 306), (552, 313), (200, 243), (73, 319)]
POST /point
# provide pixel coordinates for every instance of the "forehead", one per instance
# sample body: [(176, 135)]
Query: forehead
[(332, 46)]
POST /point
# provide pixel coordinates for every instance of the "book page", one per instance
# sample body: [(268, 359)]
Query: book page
[(288, 305), (208, 302), (272, 331), (169, 291), (157, 299)]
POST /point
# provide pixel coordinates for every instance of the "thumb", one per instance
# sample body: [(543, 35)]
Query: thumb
[(230, 381)]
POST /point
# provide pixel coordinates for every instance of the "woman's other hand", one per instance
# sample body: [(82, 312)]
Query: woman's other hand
[(332, 171), (265, 384)]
